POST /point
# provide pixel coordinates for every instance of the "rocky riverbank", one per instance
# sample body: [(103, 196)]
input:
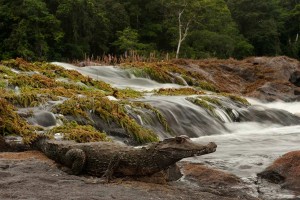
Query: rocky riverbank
[(31, 175)]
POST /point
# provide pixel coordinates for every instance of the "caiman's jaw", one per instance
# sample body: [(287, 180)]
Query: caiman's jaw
[(183, 147)]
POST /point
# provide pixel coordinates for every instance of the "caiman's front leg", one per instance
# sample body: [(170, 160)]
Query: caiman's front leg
[(113, 165), (76, 159)]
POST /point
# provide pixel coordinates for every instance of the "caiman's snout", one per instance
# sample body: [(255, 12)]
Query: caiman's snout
[(212, 147)]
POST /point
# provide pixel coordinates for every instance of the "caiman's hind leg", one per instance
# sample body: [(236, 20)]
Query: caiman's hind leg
[(75, 158), (113, 164)]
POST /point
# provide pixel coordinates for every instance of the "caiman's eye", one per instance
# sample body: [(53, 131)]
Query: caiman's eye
[(179, 140)]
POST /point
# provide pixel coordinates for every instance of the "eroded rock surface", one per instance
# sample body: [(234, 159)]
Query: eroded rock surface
[(285, 171), (30, 175), (215, 181), (265, 78)]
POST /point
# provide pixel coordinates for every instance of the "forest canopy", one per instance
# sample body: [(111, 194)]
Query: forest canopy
[(71, 29)]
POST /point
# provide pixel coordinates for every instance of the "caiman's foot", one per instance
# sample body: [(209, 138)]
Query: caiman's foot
[(108, 174), (76, 159)]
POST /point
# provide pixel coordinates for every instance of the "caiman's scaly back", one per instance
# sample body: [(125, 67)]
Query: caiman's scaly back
[(106, 158)]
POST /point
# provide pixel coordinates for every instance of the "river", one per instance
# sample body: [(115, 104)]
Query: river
[(244, 148)]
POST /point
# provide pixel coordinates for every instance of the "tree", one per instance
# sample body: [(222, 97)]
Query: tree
[(187, 13), (128, 39), (85, 26), (258, 22), (30, 31)]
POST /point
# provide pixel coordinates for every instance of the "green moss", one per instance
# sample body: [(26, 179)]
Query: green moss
[(3, 83), (19, 64), (163, 73), (213, 100), (35, 81), (127, 93), (109, 111), (12, 124), (161, 118), (79, 133), (203, 104), (236, 98), (5, 70), (75, 106), (28, 97), (205, 86), (178, 91)]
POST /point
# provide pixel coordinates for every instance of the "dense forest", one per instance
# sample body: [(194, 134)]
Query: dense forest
[(71, 29)]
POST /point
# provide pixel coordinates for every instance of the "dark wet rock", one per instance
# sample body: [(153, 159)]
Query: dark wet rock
[(284, 171), (3, 145), (206, 176), (295, 78), (43, 118), (215, 181), (297, 91), (265, 115), (9, 144)]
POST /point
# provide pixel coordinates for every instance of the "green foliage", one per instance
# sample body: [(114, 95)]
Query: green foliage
[(12, 124), (179, 91), (128, 39), (108, 111), (66, 29), (159, 115), (79, 133), (236, 98)]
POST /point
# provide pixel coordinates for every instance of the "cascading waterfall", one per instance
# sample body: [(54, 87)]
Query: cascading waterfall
[(248, 138)]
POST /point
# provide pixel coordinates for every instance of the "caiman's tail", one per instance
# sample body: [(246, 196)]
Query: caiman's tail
[(3, 145), (12, 146)]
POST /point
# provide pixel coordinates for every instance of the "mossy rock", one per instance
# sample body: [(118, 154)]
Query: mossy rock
[(79, 133), (12, 124), (178, 91), (236, 98)]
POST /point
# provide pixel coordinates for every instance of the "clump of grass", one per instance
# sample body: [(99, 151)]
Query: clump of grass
[(163, 73), (212, 100), (161, 118), (79, 133), (19, 64), (5, 70), (35, 81), (127, 93), (202, 103), (236, 98), (205, 86), (12, 124), (28, 97), (109, 111), (75, 106), (178, 91)]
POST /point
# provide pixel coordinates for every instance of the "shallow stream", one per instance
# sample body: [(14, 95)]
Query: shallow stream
[(267, 130)]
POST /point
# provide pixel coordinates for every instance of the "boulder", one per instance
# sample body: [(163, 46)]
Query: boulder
[(284, 171), (295, 78), (206, 176), (43, 118)]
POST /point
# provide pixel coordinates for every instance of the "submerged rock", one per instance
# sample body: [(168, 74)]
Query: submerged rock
[(284, 171), (216, 181), (43, 118)]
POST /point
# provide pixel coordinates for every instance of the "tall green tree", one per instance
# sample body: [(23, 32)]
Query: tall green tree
[(85, 26), (29, 30), (258, 22), (289, 34)]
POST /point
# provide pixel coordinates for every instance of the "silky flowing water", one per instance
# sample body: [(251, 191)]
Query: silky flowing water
[(245, 148)]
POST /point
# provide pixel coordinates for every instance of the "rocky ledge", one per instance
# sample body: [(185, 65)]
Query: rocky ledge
[(31, 175), (285, 171), (265, 78)]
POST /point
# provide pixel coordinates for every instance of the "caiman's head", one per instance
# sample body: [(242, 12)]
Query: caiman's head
[(182, 147)]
